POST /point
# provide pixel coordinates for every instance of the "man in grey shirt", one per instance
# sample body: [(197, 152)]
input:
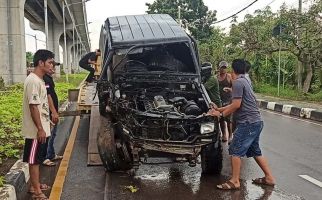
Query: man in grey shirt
[(249, 125)]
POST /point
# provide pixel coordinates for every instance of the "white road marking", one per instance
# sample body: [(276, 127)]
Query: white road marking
[(283, 115), (312, 180)]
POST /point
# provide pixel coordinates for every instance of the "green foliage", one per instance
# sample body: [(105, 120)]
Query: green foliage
[(195, 15), (2, 86), (300, 41), (11, 140), (29, 57), (287, 93), (2, 181)]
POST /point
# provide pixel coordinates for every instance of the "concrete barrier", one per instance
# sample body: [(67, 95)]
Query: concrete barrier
[(316, 115), (7, 192), (287, 109), (271, 105), (278, 107), (263, 104), (295, 111), (307, 113)]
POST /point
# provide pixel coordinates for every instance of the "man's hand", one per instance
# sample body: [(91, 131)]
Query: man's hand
[(227, 89), (55, 117), (41, 136), (213, 112), (213, 105)]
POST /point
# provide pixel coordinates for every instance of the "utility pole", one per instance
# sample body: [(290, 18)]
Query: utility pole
[(299, 64), (279, 62)]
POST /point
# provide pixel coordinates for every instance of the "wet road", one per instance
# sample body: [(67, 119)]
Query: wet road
[(292, 147)]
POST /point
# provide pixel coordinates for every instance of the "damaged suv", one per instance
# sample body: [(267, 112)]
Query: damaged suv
[(151, 98)]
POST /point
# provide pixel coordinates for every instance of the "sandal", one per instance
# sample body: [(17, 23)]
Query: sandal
[(228, 185), (57, 157), (40, 196), (49, 163), (43, 187), (262, 181)]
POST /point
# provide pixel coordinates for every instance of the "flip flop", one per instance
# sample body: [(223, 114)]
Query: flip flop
[(43, 187), (40, 196), (228, 185), (49, 163), (262, 181), (57, 157)]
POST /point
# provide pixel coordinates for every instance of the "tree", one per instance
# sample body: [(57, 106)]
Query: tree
[(307, 46), (29, 57), (195, 15)]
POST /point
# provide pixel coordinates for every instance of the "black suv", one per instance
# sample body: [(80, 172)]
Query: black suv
[(151, 97)]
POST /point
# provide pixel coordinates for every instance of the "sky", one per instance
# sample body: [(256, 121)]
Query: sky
[(99, 10)]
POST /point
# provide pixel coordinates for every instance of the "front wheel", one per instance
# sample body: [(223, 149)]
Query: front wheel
[(211, 158), (113, 151)]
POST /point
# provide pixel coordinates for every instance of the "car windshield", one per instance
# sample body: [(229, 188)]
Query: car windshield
[(175, 57)]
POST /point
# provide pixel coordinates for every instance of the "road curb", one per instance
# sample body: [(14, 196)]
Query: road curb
[(307, 113), (16, 180)]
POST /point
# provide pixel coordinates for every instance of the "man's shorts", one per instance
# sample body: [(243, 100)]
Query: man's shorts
[(246, 140), (32, 151)]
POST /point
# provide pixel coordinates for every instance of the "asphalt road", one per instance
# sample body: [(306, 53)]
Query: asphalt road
[(292, 147)]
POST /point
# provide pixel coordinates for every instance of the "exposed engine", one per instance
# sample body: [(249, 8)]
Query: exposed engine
[(160, 113)]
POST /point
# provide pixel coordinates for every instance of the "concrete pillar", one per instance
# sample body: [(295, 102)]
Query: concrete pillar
[(69, 54), (12, 41)]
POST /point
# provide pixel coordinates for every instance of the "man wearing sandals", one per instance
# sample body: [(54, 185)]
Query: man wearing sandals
[(36, 122), (54, 117), (249, 125)]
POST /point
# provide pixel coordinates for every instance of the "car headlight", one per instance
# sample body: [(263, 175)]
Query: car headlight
[(207, 128)]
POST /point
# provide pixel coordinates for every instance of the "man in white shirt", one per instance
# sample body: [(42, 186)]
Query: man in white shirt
[(36, 122)]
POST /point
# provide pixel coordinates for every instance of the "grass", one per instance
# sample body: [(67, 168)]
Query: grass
[(11, 140), (287, 93)]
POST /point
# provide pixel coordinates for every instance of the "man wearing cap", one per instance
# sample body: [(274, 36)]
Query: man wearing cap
[(225, 85)]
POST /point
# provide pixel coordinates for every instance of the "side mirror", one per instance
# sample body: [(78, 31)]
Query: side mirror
[(205, 71)]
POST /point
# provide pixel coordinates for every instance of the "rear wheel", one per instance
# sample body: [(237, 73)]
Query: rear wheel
[(113, 151), (211, 158)]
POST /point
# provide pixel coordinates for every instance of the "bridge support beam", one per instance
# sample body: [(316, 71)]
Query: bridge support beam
[(12, 41)]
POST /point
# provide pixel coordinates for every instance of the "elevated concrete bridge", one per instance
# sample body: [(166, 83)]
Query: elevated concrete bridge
[(12, 32)]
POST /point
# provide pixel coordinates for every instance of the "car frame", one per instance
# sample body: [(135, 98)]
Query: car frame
[(152, 100)]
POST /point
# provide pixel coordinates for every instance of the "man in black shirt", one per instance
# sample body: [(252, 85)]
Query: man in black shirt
[(86, 62), (54, 117)]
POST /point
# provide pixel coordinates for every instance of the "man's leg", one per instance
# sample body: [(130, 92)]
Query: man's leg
[(229, 127), (263, 164), (222, 124), (235, 167), (91, 72), (34, 178), (50, 149)]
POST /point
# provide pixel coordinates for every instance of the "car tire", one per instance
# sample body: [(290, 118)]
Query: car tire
[(111, 157), (211, 158), (102, 108)]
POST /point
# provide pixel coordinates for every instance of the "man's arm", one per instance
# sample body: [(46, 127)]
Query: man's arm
[(91, 62), (35, 115), (227, 110), (54, 113)]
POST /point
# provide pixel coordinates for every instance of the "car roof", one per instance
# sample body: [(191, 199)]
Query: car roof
[(144, 29)]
